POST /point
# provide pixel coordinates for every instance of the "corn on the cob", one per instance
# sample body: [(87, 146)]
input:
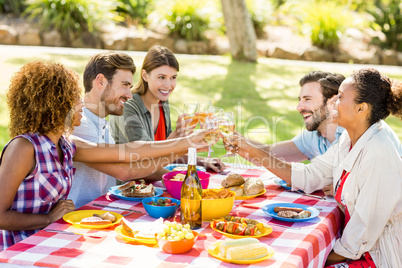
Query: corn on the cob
[(247, 252), (228, 243)]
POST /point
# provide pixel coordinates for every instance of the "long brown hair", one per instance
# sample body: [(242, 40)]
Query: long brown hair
[(156, 57)]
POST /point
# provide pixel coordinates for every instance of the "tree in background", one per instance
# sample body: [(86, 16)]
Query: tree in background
[(239, 30)]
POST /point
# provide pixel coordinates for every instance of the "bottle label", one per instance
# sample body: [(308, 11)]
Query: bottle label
[(192, 156)]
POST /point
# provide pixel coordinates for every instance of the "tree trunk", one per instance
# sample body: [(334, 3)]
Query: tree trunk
[(239, 30)]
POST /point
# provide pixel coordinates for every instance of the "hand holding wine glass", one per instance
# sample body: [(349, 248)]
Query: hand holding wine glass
[(211, 122), (227, 128), (191, 109)]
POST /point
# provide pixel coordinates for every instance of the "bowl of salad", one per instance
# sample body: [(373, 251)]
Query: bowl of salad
[(157, 207)]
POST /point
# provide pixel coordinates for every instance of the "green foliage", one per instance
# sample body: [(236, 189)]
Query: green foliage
[(12, 6), (277, 3), (324, 22), (388, 18), (70, 17), (187, 19), (134, 12)]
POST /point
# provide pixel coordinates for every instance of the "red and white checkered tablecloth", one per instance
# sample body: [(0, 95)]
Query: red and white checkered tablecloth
[(305, 247)]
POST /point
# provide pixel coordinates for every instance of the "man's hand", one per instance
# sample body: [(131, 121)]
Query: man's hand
[(215, 164)]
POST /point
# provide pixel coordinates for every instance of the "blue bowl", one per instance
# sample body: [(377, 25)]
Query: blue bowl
[(160, 211)]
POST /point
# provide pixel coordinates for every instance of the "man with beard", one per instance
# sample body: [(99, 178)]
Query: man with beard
[(108, 78), (315, 96)]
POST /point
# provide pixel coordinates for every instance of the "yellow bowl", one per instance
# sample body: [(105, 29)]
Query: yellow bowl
[(217, 208)]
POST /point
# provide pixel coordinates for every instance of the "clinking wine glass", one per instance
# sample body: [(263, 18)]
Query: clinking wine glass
[(211, 122), (227, 127), (205, 109), (191, 110)]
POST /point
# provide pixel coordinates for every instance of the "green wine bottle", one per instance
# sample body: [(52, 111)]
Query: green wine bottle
[(191, 194)]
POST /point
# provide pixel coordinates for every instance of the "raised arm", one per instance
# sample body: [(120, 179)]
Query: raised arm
[(137, 150), (284, 150), (260, 155), (152, 169)]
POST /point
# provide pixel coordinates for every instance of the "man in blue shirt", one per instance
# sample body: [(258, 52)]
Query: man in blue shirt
[(315, 105)]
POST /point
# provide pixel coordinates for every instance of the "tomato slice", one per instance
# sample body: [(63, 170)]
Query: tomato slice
[(242, 232), (252, 230), (225, 226)]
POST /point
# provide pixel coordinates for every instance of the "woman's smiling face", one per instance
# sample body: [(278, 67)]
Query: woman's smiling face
[(345, 107), (161, 82)]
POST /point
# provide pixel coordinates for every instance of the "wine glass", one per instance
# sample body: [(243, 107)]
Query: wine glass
[(227, 127), (205, 108), (211, 121), (191, 110)]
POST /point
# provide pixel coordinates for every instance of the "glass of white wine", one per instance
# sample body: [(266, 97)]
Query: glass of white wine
[(227, 127), (211, 122), (205, 109), (191, 110)]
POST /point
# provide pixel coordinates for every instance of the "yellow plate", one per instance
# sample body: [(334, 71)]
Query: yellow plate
[(213, 250), (120, 231), (245, 197), (75, 218), (267, 230)]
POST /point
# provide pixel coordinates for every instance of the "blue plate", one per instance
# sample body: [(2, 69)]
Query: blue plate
[(172, 166), (269, 210), (282, 183), (117, 193)]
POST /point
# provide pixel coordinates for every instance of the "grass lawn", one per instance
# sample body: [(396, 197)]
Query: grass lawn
[(263, 95)]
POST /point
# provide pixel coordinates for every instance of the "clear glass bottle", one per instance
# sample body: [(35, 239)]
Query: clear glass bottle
[(191, 194)]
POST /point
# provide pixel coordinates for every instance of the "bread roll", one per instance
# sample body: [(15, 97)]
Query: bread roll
[(238, 190), (253, 186), (232, 180), (108, 216)]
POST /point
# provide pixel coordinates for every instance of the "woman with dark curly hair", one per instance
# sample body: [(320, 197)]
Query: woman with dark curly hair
[(364, 168), (36, 166)]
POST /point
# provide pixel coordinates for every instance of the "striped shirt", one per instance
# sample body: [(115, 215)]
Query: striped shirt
[(50, 181)]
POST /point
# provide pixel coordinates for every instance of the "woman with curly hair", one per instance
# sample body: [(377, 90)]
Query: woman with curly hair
[(36, 166), (364, 168)]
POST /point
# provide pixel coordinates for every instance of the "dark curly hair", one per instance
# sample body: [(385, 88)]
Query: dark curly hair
[(330, 82), (41, 97), (377, 90)]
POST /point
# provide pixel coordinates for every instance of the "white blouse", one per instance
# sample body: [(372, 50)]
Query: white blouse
[(372, 193)]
